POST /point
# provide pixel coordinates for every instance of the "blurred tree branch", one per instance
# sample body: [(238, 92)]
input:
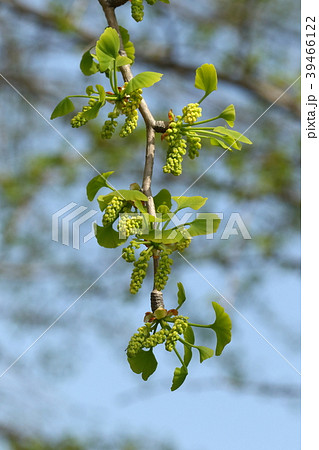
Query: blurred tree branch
[(261, 89)]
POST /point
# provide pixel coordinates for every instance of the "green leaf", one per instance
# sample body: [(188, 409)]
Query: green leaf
[(104, 200), (140, 206), (163, 198), (180, 373), (219, 143), (165, 1), (93, 112), (189, 337), (204, 352), (87, 65), (105, 62), (108, 43), (127, 44), (122, 61), (64, 107), (89, 90), (101, 92), (124, 35), (206, 78), (195, 202), (107, 49), (163, 237), (181, 296), (143, 80), (229, 114), (205, 223), (107, 237), (236, 135), (229, 144), (130, 195), (144, 362), (222, 327), (187, 354), (96, 184)]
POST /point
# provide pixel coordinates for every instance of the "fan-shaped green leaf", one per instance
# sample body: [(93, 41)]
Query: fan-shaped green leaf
[(144, 362), (107, 237), (206, 78), (229, 114), (195, 202), (187, 354), (180, 373), (101, 92), (229, 144), (164, 237), (106, 62), (163, 198), (236, 135), (122, 61), (104, 200), (89, 90), (204, 352), (93, 112), (130, 195), (64, 107), (222, 327), (189, 337), (127, 44), (96, 184), (205, 223), (181, 296), (143, 80), (87, 65), (108, 43)]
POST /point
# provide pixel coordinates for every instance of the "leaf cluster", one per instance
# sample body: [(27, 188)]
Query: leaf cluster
[(145, 363), (203, 224), (182, 133), (107, 60)]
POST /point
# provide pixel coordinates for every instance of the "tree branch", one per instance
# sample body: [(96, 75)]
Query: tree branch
[(144, 110), (151, 128), (151, 124), (116, 3)]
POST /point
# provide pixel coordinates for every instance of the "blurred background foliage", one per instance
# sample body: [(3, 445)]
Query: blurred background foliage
[(41, 45)]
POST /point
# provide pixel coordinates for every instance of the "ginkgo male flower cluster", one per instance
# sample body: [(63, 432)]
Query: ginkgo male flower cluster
[(137, 10), (180, 325), (79, 119), (163, 270), (113, 210), (176, 148), (129, 108), (129, 225), (139, 271), (145, 338)]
